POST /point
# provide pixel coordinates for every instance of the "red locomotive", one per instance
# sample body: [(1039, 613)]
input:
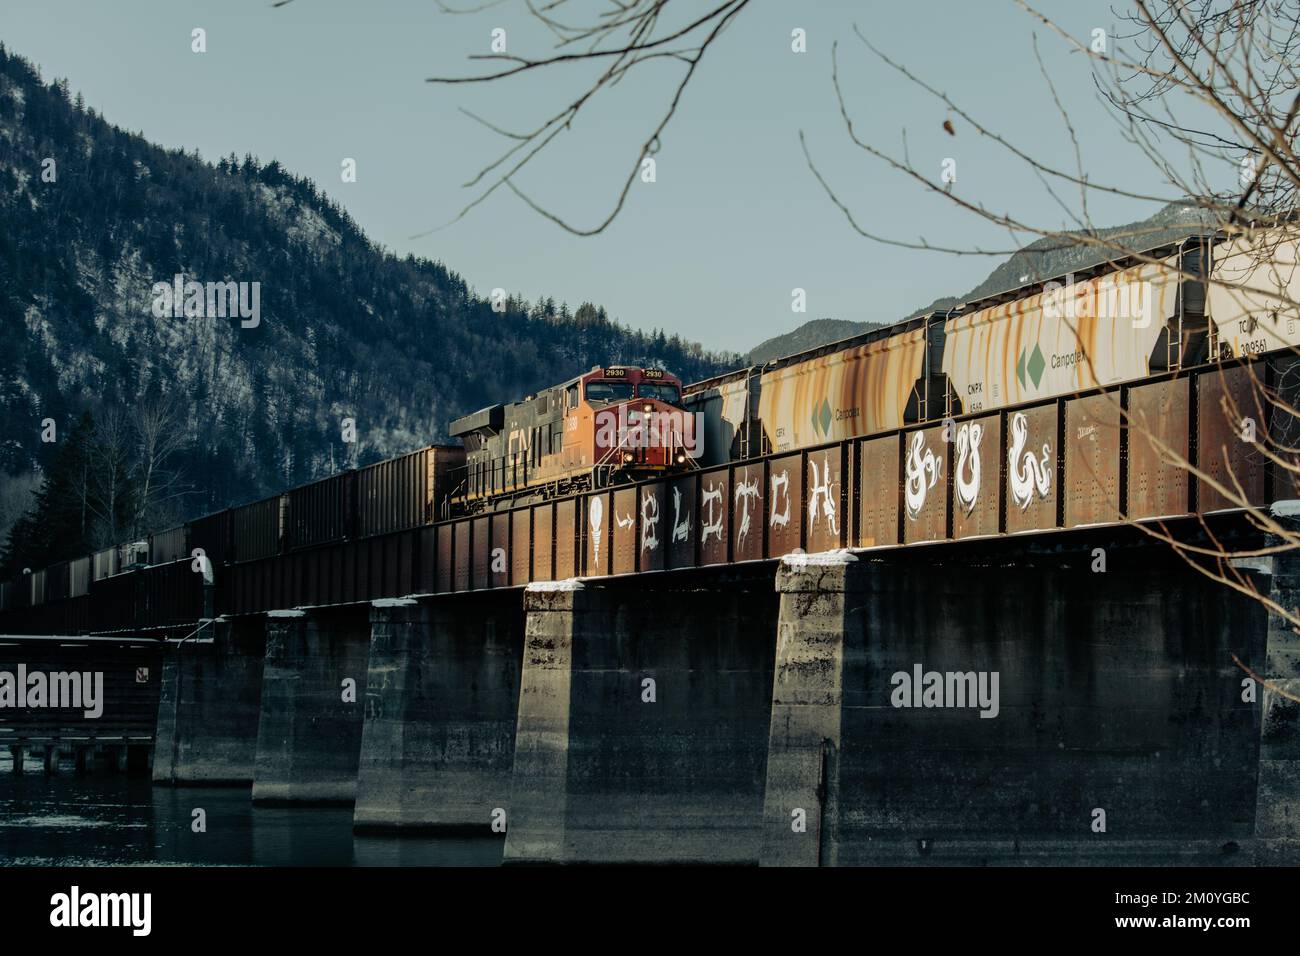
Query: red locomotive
[(612, 424)]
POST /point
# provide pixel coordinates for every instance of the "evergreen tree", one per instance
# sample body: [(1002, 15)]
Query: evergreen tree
[(57, 525)]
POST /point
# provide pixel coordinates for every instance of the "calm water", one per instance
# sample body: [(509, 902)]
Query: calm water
[(120, 820)]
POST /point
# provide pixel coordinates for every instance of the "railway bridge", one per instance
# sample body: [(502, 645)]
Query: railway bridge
[(951, 642), (87, 703)]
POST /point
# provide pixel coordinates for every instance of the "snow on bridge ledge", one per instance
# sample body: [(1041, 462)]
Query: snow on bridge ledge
[(836, 558), (568, 584)]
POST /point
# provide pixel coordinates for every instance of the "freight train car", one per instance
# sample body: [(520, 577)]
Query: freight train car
[(612, 424), (396, 494), (1252, 300), (1061, 337), (149, 583), (859, 386)]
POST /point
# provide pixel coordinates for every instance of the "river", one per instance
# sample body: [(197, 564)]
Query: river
[(125, 820)]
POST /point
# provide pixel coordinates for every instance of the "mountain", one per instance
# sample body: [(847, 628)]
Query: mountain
[(1050, 257), (98, 223), (807, 336), (1040, 260)]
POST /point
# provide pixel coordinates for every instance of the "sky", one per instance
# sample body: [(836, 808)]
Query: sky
[(735, 220)]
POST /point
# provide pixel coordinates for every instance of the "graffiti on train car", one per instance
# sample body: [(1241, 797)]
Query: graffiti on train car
[(1060, 341), (682, 533), (823, 489), (681, 516), (966, 477), (824, 479), (596, 518), (747, 507), (624, 530), (651, 554), (1028, 473), (923, 468), (713, 517), (977, 445), (785, 491)]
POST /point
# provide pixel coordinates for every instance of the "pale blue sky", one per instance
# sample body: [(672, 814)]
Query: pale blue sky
[(735, 220)]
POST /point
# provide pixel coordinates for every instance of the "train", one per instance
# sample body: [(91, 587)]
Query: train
[(1004, 350), (998, 368), (611, 425)]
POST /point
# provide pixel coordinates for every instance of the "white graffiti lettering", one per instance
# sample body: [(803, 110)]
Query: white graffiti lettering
[(782, 518), (595, 515), (711, 502), (681, 529), (649, 522), (820, 497), (745, 492), (1025, 473), (967, 488), (918, 466)]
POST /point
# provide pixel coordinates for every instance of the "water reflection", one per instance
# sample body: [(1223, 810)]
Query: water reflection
[(66, 821)]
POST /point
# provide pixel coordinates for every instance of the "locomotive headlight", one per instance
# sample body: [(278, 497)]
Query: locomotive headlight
[(648, 408), (627, 456), (681, 458)]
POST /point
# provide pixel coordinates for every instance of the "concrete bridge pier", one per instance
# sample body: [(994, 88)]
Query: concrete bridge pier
[(1277, 817), (210, 705), (442, 693), (643, 719), (539, 782), (312, 705), (1118, 734), (807, 698)]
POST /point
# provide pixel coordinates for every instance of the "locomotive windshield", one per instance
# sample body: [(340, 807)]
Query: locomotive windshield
[(663, 391), (608, 391)]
